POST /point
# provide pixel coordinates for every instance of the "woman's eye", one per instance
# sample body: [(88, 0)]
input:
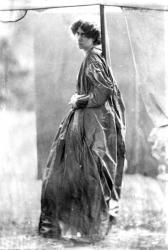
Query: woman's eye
[(80, 34)]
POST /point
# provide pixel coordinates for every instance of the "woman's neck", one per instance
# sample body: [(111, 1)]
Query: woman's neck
[(89, 49)]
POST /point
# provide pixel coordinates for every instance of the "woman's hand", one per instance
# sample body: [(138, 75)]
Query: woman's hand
[(74, 100)]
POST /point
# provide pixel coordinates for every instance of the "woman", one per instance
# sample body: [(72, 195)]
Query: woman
[(84, 171)]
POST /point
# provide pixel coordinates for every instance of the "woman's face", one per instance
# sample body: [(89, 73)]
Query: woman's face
[(84, 42)]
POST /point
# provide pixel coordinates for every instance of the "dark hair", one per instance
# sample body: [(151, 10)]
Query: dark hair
[(90, 30)]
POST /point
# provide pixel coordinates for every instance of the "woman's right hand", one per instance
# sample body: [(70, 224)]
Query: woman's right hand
[(74, 99)]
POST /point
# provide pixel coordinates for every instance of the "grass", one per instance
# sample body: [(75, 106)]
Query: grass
[(142, 217)]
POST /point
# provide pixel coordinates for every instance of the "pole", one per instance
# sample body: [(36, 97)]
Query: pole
[(103, 35)]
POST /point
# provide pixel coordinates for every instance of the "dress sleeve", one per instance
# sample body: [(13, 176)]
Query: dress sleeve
[(100, 80)]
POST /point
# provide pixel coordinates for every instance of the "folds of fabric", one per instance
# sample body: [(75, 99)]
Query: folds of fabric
[(85, 166)]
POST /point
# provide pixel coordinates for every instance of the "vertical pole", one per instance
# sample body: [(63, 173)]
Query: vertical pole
[(166, 56), (103, 35)]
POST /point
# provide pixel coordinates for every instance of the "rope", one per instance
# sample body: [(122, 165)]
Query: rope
[(131, 46), (137, 81), (77, 5), (108, 49), (16, 20), (157, 8)]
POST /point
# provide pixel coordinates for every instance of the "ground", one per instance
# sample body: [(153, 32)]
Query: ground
[(142, 221)]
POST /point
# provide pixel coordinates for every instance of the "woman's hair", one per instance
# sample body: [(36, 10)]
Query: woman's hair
[(90, 30)]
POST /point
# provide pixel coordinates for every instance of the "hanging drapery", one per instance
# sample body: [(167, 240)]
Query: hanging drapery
[(147, 50)]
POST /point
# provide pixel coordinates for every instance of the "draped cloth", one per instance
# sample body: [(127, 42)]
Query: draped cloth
[(85, 166)]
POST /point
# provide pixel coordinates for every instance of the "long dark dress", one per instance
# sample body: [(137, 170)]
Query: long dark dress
[(85, 165)]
